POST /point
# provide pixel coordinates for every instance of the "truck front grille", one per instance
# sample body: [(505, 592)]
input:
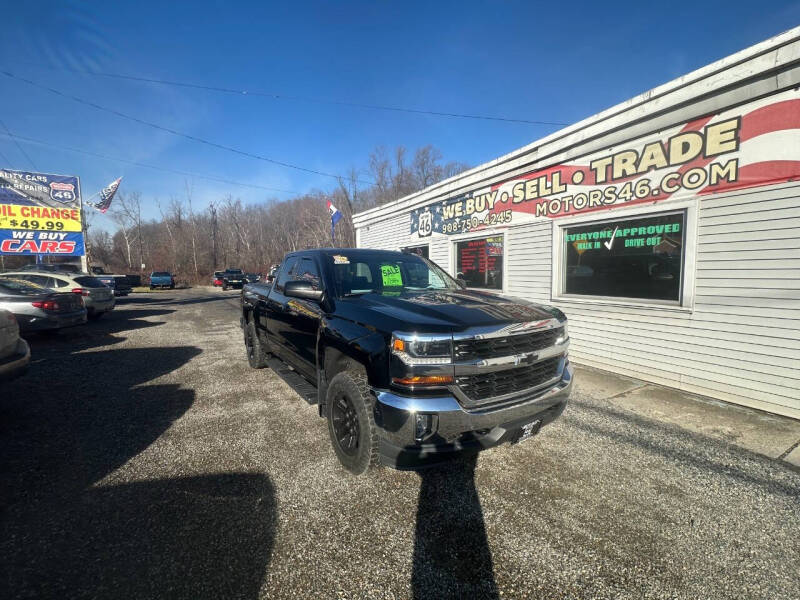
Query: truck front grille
[(499, 383), (495, 347)]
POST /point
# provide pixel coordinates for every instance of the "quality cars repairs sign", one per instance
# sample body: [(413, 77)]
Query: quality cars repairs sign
[(40, 214), (751, 145)]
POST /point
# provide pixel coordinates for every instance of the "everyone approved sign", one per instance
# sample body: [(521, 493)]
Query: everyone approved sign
[(40, 213)]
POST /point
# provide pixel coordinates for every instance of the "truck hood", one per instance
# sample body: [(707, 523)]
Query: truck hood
[(441, 311)]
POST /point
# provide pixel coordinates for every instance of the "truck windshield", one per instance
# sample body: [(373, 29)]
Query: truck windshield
[(387, 273)]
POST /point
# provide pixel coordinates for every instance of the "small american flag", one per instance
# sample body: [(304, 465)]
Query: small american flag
[(107, 195)]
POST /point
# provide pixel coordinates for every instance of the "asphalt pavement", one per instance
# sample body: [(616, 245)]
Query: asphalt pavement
[(142, 458)]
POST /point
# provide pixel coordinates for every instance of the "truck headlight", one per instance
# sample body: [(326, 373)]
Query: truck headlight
[(423, 350), (564, 336)]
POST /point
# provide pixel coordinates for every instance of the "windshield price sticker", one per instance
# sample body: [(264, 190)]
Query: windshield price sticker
[(338, 259), (391, 276)]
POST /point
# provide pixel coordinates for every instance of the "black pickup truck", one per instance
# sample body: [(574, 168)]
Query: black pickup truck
[(409, 367), (233, 278)]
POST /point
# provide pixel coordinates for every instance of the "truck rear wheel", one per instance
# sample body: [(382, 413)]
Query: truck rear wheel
[(351, 423), (256, 355)]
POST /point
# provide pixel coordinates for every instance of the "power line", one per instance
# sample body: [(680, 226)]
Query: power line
[(173, 131), (21, 149), (275, 96), (155, 167)]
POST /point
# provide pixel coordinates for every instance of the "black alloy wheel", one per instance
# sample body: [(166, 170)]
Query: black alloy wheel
[(349, 408), (345, 424)]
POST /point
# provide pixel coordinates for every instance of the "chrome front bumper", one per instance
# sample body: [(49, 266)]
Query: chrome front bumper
[(456, 428)]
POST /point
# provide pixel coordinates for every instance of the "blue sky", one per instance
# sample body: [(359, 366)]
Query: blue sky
[(554, 62)]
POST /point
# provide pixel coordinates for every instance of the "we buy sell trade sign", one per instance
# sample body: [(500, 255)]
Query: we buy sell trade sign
[(40, 213)]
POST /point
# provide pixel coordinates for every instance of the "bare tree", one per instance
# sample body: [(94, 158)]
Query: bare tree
[(196, 241)]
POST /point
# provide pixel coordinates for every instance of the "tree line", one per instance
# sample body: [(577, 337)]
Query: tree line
[(194, 241)]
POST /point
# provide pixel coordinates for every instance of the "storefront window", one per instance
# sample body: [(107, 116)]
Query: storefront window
[(418, 250), (627, 258), (480, 262)]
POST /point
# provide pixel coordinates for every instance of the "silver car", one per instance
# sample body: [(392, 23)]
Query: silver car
[(98, 297), (14, 351), (40, 309)]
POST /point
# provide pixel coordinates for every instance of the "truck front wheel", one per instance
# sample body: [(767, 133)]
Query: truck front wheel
[(351, 422), (256, 355)]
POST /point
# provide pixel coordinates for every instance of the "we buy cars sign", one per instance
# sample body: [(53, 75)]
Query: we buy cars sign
[(40, 213), (751, 145)]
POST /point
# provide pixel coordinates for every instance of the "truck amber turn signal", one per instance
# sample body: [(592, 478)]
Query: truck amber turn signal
[(424, 379)]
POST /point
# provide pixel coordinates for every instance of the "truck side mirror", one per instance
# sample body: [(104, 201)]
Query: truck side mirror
[(302, 289), (461, 283)]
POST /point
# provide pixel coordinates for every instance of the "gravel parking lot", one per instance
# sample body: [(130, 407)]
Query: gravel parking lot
[(142, 458)]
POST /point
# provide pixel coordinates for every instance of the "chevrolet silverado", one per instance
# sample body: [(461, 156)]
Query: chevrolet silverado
[(409, 367)]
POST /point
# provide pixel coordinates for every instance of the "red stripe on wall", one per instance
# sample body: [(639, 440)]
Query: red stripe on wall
[(773, 117)]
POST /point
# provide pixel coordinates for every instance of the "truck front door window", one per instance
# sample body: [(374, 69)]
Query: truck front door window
[(306, 270), (285, 273)]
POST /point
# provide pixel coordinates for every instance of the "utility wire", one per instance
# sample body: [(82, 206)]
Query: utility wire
[(157, 168), (173, 131), (21, 149), (274, 96)]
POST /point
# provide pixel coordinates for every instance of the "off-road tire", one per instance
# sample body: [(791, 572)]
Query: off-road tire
[(352, 385), (95, 315), (256, 355), (224, 288)]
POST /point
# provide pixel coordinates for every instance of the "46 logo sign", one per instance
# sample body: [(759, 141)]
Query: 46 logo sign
[(62, 192), (425, 224)]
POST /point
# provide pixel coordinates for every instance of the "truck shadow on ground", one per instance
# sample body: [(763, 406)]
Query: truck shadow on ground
[(452, 558), (65, 532)]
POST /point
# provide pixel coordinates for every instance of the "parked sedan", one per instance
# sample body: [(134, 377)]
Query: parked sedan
[(40, 309), (14, 351), (216, 280), (97, 297)]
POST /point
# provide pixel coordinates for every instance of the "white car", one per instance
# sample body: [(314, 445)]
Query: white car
[(14, 351), (98, 297)]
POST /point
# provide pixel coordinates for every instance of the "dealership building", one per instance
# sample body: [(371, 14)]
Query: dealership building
[(667, 228)]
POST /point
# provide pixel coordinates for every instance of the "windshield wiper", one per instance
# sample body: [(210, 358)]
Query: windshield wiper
[(354, 294)]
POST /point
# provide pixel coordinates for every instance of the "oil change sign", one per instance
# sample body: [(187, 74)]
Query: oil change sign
[(751, 145), (40, 213)]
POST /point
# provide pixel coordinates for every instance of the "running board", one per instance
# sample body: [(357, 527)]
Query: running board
[(294, 380)]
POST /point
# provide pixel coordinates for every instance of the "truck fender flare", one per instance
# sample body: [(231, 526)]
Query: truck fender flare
[(333, 358)]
